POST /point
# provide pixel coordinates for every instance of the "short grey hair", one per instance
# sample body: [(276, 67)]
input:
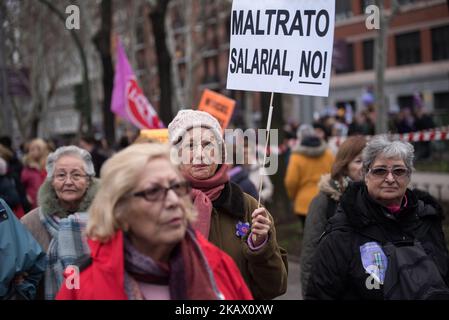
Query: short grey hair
[(389, 148), (73, 151)]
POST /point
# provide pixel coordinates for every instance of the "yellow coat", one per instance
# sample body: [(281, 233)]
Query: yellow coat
[(305, 168)]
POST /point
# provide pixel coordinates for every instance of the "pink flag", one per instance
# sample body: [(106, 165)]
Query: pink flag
[(128, 100)]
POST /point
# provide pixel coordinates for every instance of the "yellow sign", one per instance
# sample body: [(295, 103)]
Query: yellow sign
[(153, 135)]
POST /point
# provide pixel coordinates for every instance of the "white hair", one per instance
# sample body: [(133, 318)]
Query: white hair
[(73, 151), (389, 148)]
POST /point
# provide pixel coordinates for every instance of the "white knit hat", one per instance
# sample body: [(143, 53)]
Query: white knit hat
[(187, 119)]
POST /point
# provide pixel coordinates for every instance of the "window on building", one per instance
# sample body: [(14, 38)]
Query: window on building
[(344, 57), (405, 2), (408, 48), (405, 102), (368, 54), (366, 3), (343, 9), (441, 110), (440, 43)]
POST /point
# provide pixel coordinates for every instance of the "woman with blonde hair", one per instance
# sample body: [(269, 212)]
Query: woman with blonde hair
[(141, 242), (33, 173)]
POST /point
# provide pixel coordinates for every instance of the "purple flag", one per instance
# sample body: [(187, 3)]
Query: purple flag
[(128, 100)]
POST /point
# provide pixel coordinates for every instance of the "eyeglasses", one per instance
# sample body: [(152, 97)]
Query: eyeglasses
[(160, 193), (73, 176), (383, 172)]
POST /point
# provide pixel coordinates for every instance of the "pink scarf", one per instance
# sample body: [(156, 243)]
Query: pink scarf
[(203, 193), (397, 208)]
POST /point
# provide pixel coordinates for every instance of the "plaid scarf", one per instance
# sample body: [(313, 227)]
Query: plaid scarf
[(66, 246), (188, 274)]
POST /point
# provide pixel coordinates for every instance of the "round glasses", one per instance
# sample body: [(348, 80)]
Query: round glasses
[(73, 176), (158, 193)]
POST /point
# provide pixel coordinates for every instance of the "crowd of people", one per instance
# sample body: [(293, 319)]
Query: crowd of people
[(157, 221), (344, 120)]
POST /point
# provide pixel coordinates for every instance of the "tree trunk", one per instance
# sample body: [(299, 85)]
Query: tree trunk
[(102, 42), (34, 124), (6, 114), (190, 49), (87, 115), (380, 62), (178, 97), (157, 20)]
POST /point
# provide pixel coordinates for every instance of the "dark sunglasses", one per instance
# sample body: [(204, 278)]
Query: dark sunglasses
[(160, 193), (383, 172)]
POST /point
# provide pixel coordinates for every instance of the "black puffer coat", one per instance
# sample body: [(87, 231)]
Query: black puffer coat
[(338, 271)]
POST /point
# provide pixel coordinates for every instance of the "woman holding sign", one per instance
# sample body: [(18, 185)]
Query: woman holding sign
[(228, 217)]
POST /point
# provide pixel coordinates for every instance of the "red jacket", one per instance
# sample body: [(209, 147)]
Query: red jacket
[(103, 279), (32, 179)]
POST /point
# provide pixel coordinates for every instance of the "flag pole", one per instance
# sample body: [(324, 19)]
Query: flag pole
[(261, 169)]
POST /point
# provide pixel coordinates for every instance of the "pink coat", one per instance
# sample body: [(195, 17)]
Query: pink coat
[(32, 179)]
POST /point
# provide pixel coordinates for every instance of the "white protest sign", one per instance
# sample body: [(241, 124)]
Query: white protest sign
[(281, 46)]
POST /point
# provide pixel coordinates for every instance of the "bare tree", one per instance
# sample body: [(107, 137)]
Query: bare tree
[(37, 46), (102, 40), (158, 11), (87, 102), (189, 56), (380, 58)]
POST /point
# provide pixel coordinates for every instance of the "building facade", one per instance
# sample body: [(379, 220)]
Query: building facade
[(417, 56), (198, 39)]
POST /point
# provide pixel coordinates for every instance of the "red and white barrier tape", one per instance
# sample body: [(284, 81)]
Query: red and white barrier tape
[(437, 134)]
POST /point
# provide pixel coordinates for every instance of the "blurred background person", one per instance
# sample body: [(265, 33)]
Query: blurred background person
[(14, 171), (88, 142), (256, 171), (423, 121), (139, 230), (238, 170), (8, 191), (405, 122), (308, 162), (33, 173)]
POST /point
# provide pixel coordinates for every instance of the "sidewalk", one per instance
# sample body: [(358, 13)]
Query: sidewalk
[(294, 285), (437, 184)]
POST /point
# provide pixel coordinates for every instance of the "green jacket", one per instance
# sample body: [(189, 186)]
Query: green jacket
[(264, 270)]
